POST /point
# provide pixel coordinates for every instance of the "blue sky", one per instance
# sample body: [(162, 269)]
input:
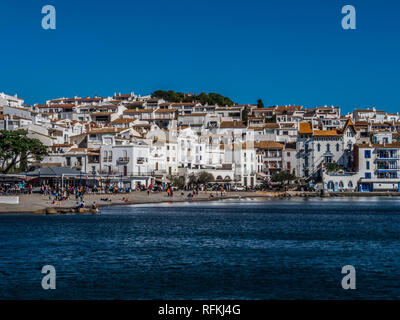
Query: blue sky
[(285, 52)]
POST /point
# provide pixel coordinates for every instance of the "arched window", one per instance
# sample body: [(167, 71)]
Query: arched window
[(105, 156), (350, 184), (330, 185), (219, 178), (341, 184), (328, 147)]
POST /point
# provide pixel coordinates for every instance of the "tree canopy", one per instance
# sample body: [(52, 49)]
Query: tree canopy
[(16, 149), (204, 98), (334, 167), (283, 176), (178, 182), (201, 178), (260, 103)]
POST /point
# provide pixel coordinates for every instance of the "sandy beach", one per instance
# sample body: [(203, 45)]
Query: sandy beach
[(33, 202)]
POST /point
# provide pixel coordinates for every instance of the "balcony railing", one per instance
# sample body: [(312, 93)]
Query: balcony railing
[(123, 160)]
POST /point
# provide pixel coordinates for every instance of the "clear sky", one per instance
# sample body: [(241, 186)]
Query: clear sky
[(285, 52)]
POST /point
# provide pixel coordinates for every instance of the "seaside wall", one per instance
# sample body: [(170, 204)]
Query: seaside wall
[(9, 200)]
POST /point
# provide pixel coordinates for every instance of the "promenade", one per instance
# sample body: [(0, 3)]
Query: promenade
[(29, 203)]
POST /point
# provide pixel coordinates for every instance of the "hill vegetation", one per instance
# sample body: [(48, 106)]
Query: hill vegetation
[(204, 98)]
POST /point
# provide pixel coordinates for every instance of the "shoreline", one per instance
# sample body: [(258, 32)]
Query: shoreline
[(39, 204), (34, 203)]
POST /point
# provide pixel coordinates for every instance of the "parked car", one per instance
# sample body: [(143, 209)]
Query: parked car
[(238, 188)]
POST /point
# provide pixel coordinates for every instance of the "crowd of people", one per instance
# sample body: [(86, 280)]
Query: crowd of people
[(57, 194), (15, 188)]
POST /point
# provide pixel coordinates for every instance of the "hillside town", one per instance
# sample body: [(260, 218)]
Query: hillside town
[(136, 141)]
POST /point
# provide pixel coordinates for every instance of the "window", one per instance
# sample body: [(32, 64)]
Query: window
[(368, 175), (367, 164), (350, 184), (328, 147), (337, 147), (328, 159), (319, 147), (288, 154), (341, 184), (367, 154)]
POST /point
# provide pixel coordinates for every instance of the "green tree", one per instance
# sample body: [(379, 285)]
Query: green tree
[(260, 103), (204, 98), (16, 149), (283, 176), (192, 179), (245, 115), (205, 178), (334, 167), (178, 182), (271, 120)]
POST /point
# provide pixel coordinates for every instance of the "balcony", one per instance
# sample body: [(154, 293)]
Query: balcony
[(123, 160), (93, 160), (387, 156), (159, 172)]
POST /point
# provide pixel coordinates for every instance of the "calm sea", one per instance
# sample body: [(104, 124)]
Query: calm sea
[(248, 249)]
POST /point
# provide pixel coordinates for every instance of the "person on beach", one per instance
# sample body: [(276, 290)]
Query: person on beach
[(94, 207)]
